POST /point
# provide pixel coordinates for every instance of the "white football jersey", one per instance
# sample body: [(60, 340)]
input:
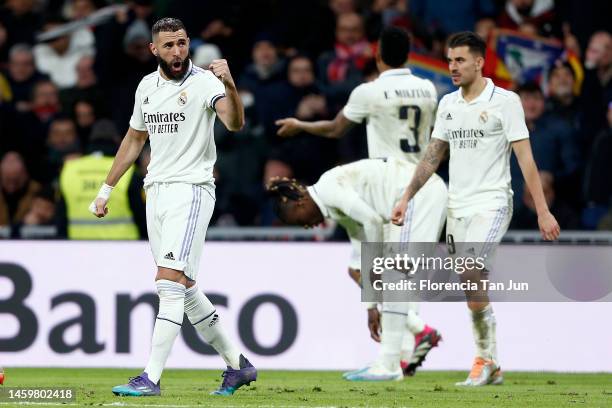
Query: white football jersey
[(479, 134), (179, 116), (361, 195), (400, 110)]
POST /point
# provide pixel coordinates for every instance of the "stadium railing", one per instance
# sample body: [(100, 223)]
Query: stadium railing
[(323, 234)]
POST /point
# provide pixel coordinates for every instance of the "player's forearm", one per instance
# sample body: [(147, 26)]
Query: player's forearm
[(524, 156), (534, 184), (428, 165), (235, 111), (325, 128), (128, 152)]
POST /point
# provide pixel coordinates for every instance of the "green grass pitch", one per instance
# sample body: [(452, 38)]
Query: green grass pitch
[(324, 389)]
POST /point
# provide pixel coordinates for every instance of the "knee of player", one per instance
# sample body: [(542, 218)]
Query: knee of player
[(355, 275)]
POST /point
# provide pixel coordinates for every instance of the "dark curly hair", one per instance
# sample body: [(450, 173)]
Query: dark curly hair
[(284, 193)]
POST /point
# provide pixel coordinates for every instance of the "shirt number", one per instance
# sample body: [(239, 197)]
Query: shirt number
[(412, 114)]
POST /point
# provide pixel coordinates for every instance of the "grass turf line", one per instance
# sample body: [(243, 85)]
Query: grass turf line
[(325, 389)]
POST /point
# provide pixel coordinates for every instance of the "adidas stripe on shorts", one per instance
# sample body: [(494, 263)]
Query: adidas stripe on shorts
[(482, 232), (177, 219)]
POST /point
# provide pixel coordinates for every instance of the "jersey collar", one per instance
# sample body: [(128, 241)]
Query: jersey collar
[(176, 82), (395, 72), (485, 95), (315, 197)]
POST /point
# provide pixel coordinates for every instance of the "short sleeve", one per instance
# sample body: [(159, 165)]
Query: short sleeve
[(513, 119), (137, 120), (356, 109), (213, 90), (439, 125)]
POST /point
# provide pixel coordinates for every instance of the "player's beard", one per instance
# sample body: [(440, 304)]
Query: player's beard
[(167, 68)]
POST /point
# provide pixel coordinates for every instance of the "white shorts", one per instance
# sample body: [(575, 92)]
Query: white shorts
[(177, 219), (425, 217), (482, 232)]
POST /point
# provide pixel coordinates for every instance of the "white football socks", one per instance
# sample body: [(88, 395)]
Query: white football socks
[(414, 322), (407, 345), (484, 328), (167, 325), (202, 314), (393, 321)]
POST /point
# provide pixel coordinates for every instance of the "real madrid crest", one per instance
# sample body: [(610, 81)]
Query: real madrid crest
[(182, 99), (483, 117)]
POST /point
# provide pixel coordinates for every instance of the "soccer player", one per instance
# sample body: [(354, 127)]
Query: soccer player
[(480, 123), (399, 107), (175, 107), (359, 197)]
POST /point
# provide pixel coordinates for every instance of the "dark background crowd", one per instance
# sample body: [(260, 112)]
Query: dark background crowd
[(71, 95)]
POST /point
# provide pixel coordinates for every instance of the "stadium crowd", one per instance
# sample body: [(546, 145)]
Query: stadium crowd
[(70, 93)]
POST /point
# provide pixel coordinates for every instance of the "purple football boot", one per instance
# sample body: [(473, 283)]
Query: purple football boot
[(234, 379), (139, 386)]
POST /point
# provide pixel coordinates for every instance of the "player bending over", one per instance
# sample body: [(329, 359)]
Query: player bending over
[(359, 197), (175, 107), (480, 123)]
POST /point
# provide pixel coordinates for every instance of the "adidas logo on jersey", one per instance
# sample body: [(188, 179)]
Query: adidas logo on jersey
[(169, 256), (146, 101), (449, 117), (214, 320)]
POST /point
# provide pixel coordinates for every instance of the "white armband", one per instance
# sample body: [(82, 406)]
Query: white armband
[(105, 191)]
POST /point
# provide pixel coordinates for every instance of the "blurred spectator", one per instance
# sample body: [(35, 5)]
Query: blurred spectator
[(530, 16), (561, 98), (6, 96), (449, 16), (18, 24), (78, 9), (266, 67), (382, 13), (79, 180), (59, 56), (45, 100), (42, 210), (134, 61), (484, 27), (597, 85), (22, 75), (261, 77), (300, 97), (339, 7), (31, 127), (85, 88), (558, 159), (17, 190), (62, 141), (205, 54), (598, 176), (84, 115), (341, 70)]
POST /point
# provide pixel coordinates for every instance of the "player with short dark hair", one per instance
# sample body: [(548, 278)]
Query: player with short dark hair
[(175, 108), (359, 197), (480, 124), (399, 107)]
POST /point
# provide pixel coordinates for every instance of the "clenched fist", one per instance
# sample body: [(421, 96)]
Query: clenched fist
[(221, 70)]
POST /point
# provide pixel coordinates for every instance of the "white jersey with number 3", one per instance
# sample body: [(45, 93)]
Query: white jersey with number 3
[(400, 111), (179, 116)]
